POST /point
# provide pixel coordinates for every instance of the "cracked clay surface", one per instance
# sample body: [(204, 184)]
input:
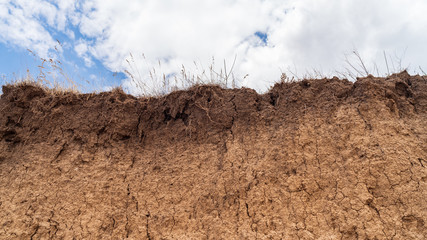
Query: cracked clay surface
[(317, 159)]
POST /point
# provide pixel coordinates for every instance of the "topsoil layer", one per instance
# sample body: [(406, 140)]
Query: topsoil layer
[(316, 159)]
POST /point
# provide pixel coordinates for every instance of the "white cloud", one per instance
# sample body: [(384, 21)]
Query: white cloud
[(24, 23), (181, 32), (18, 28), (70, 34), (301, 35), (82, 50)]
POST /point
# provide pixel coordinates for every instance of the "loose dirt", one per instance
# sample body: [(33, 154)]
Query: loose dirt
[(316, 159)]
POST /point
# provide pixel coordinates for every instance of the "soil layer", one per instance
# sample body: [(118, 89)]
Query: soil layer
[(316, 159)]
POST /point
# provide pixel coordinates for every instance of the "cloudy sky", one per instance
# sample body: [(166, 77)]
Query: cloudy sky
[(97, 41)]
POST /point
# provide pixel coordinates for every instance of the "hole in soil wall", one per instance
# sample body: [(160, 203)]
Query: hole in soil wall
[(273, 100)]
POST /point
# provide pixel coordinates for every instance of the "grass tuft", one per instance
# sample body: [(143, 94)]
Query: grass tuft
[(157, 83)]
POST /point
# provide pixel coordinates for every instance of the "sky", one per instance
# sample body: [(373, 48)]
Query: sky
[(151, 45)]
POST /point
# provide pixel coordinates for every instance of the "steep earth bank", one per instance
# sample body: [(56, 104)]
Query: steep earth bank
[(316, 159)]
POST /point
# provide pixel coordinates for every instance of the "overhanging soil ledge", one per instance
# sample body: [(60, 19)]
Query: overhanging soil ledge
[(316, 159)]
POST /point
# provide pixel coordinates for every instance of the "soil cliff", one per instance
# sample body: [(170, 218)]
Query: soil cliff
[(316, 159)]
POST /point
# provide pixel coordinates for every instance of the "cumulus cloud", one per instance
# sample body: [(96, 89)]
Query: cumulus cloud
[(82, 50), (318, 34), (26, 23), (298, 36), (18, 28), (268, 37), (178, 33)]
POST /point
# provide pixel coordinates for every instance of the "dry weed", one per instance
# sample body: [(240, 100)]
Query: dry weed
[(157, 83)]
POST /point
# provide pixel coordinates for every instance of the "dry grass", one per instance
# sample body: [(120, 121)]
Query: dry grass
[(53, 78), (355, 66), (52, 75), (153, 81), (156, 83)]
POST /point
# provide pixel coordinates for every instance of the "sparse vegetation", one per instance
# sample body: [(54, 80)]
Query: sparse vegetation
[(354, 67), (155, 82), (52, 75)]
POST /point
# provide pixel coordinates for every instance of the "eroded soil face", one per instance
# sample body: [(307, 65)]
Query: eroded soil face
[(317, 159)]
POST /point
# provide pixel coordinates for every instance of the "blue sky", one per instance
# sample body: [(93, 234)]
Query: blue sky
[(17, 61), (102, 40)]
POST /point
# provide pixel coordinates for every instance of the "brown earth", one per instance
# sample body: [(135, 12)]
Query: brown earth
[(316, 159)]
